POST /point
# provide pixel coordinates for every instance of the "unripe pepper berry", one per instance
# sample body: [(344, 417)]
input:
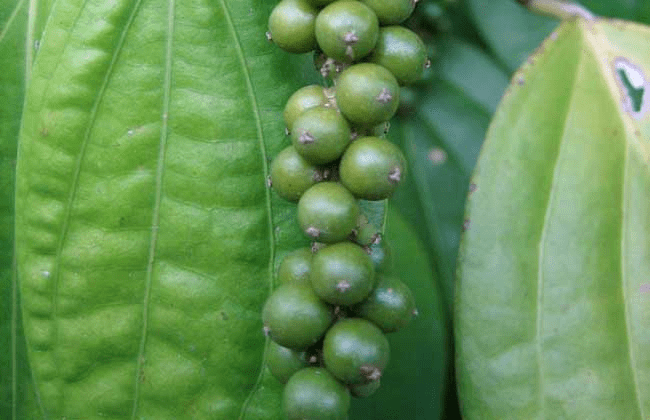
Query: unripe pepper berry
[(367, 94), (355, 351), (296, 267), (347, 30), (292, 175), (391, 12), (390, 306), (283, 362), (342, 274), (295, 317), (313, 393), (402, 52), (328, 212), (372, 167), (320, 135), (303, 99), (292, 26)]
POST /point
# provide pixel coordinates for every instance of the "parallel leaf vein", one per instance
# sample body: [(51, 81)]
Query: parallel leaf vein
[(164, 135), (77, 171), (11, 19), (260, 135), (542, 242)]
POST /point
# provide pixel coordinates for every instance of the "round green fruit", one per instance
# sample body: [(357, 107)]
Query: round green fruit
[(372, 167), (391, 12), (283, 362), (295, 317), (320, 135), (303, 99), (347, 30), (402, 52), (314, 394), (327, 212), (367, 94), (292, 175), (390, 306), (355, 351), (292, 26), (342, 274), (296, 267)]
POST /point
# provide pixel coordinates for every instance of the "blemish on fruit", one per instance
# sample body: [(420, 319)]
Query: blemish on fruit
[(350, 38), (395, 175), (313, 232), (306, 138), (384, 96), (343, 286)]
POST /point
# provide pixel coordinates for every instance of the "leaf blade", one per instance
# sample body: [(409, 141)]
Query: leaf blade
[(211, 247), (534, 270)]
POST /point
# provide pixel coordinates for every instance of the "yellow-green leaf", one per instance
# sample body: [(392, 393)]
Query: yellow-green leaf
[(553, 293)]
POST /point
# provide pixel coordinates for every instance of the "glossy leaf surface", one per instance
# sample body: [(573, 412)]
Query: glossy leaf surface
[(441, 140), (147, 239), (553, 296), (13, 24), (413, 384)]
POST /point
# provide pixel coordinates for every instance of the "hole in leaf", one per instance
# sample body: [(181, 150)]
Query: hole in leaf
[(634, 84), (635, 95)]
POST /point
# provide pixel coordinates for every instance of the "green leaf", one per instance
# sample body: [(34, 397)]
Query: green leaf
[(146, 236), (413, 385), (510, 30), (16, 36), (441, 141), (553, 293)]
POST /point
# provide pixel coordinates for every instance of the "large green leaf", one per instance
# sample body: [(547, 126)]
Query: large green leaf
[(146, 236), (413, 385), (513, 33), (553, 293), (441, 141), (13, 23), (18, 45)]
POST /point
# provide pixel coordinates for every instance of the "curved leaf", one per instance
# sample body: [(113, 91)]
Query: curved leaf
[(553, 302), (413, 385), (510, 30), (146, 236), (441, 141)]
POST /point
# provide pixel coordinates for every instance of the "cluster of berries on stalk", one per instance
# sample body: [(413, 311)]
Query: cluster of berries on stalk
[(328, 318)]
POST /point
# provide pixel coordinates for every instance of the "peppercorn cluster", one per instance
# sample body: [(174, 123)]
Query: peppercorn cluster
[(328, 318)]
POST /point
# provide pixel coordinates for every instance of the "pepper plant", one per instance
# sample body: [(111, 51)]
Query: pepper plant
[(139, 239)]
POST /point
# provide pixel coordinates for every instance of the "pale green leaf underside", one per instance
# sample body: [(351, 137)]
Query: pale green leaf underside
[(553, 303), (146, 236)]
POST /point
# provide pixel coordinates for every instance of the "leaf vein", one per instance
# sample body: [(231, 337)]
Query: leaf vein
[(265, 165), (164, 134)]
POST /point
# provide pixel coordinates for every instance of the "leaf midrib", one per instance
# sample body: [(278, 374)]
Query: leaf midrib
[(542, 240)]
